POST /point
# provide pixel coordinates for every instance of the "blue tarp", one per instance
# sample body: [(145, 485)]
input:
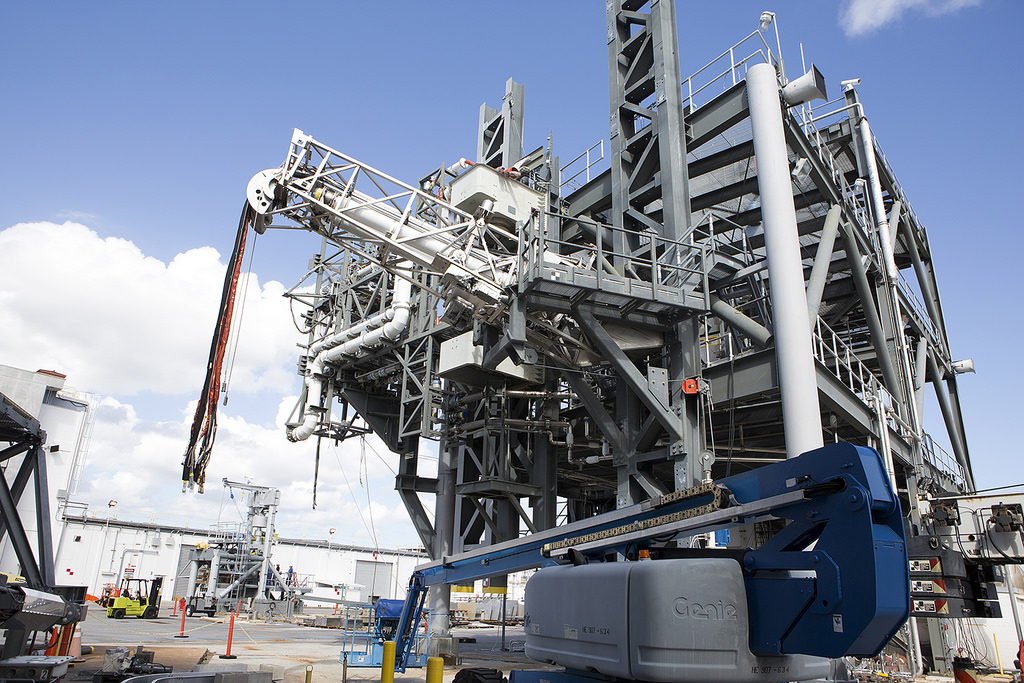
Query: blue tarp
[(389, 608)]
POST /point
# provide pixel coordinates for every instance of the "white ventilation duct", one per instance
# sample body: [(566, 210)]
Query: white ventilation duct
[(352, 342)]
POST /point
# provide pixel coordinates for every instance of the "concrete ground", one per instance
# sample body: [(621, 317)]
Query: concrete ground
[(287, 646)]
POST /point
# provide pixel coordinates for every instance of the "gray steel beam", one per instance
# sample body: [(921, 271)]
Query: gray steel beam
[(628, 372), (16, 449), (895, 212), (713, 162), (717, 116), (418, 516), (44, 539), (924, 280), (596, 195), (25, 471), (920, 375), (19, 539), (958, 417), (596, 412)]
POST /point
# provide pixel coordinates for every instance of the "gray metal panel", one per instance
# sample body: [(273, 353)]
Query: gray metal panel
[(181, 572), (376, 576)]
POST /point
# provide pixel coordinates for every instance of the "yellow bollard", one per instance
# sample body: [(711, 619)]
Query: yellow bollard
[(387, 666), (435, 669), (309, 673)]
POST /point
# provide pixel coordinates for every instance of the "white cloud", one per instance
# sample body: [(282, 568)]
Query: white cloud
[(863, 16), (120, 322), (125, 325), (138, 463)]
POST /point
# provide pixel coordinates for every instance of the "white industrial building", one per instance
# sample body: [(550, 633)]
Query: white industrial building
[(67, 417), (94, 551)]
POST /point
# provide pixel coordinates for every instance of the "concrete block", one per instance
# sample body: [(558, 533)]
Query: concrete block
[(243, 677), (276, 671), (218, 665)]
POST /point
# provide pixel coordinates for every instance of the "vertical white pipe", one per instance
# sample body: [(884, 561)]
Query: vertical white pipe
[(915, 637), (801, 414)]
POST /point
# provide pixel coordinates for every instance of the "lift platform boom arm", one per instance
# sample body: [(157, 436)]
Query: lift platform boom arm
[(833, 582)]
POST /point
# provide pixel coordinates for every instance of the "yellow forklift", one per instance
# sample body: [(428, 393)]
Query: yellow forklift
[(137, 598)]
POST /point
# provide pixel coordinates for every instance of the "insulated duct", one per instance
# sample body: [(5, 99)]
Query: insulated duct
[(352, 342)]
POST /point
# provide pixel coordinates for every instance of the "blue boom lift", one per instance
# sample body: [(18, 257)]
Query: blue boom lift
[(832, 581)]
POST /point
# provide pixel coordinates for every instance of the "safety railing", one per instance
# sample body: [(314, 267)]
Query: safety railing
[(586, 162), (898, 190), (940, 459), (230, 532), (665, 263), (918, 309), (851, 193), (726, 70), (712, 227), (834, 354)]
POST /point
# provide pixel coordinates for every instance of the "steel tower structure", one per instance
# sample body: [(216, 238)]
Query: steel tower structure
[(575, 349)]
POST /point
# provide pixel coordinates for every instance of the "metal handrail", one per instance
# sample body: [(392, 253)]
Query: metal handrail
[(837, 356), (766, 55), (585, 154), (938, 457), (918, 309), (670, 260)]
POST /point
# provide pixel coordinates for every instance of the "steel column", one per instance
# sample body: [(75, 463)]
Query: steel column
[(801, 413), (19, 539), (44, 533)]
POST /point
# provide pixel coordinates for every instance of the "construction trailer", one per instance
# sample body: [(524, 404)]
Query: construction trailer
[(740, 280)]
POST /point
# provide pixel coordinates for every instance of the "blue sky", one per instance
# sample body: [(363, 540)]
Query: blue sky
[(144, 121)]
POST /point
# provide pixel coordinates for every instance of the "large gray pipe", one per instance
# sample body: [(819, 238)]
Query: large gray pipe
[(736, 319), (440, 595), (952, 428), (931, 300), (920, 373), (860, 282), (801, 414), (822, 259)]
